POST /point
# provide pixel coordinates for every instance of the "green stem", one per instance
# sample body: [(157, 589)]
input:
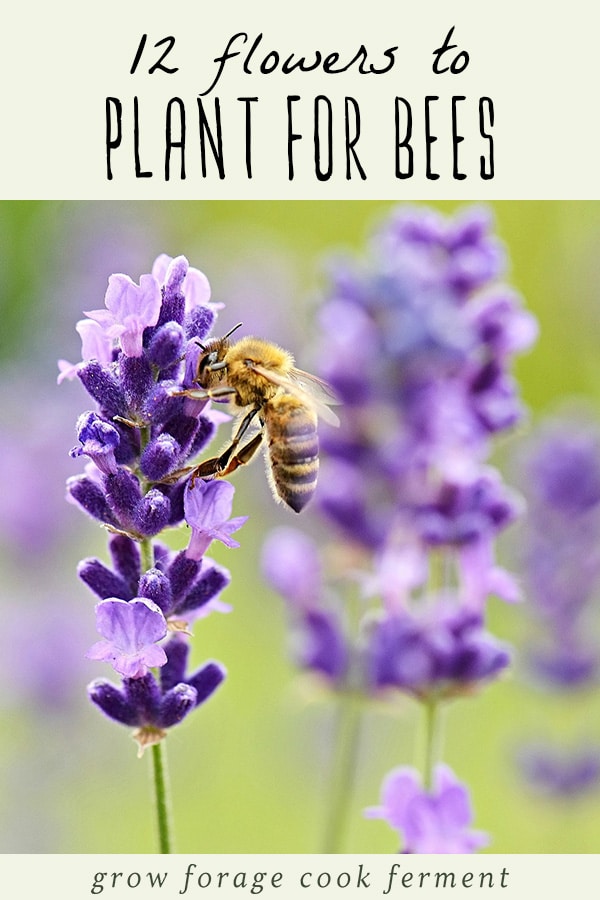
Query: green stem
[(162, 797), (347, 740), (147, 554), (430, 739), (441, 570)]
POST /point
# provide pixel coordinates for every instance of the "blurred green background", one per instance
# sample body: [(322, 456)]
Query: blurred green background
[(250, 769)]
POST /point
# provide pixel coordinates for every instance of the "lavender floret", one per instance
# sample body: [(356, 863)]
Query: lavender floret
[(429, 821)]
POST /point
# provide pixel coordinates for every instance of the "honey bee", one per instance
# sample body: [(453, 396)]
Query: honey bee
[(261, 378)]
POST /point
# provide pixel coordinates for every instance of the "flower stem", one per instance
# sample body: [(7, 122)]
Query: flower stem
[(347, 740), (162, 797), (146, 554), (431, 737)]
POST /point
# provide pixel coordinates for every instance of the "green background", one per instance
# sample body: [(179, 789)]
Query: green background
[(249, 770)]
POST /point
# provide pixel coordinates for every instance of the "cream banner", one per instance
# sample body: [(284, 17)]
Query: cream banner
[(313, 100)]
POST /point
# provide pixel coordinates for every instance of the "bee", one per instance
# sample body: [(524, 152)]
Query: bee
[(261, 379)]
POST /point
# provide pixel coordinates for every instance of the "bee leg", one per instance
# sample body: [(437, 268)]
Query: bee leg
[(245, 454), (219, 466), (226, 462), (214, 467), (200, 394)]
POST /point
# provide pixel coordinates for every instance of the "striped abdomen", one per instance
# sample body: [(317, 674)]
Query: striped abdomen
[(292, 450)]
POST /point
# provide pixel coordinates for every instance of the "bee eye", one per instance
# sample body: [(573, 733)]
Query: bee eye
[(208, 360)]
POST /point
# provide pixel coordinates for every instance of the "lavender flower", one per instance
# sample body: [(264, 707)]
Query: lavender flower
[(95, 344), (559, 550), (442, 654), (207, 508), (137, 441), (193, 283), (561, 772), (155, 706), (183, 588), (99, 440), (130, 308), (418, 341), (132, 629), (292, 565), (435, 821), (137, 400), (560, 540), (432, 358)]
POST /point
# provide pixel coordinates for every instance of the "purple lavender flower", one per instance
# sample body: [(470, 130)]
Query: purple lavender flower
[(458, 253), (463, 513), (130, 308), (136, 390), (95, 344), (182, 588), (500, 322), (436, 821), (569, 665), (563, 466), (193, 283), (208, 513), (418, 340), (560, 539), (139, 443), (131, 631), (442, 654), (99, 440), (564, 772), (153, 707), (321, 646), (418, 343), (480, 577)]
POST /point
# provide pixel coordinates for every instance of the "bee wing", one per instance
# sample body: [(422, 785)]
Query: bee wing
[(315, 386), (308, 388)]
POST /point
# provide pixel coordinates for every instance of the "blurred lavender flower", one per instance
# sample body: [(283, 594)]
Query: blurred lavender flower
[(560, 558), (435, 821), (561, 549), (418, 341), (419, 345), (444, 653), (320, 642), (292, 565), (560, 772), (142, 434)]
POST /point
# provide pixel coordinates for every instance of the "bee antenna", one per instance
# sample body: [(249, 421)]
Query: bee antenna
[(231, 330), (193, 341)]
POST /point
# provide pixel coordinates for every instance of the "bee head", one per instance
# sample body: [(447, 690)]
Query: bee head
[(213, 358)]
